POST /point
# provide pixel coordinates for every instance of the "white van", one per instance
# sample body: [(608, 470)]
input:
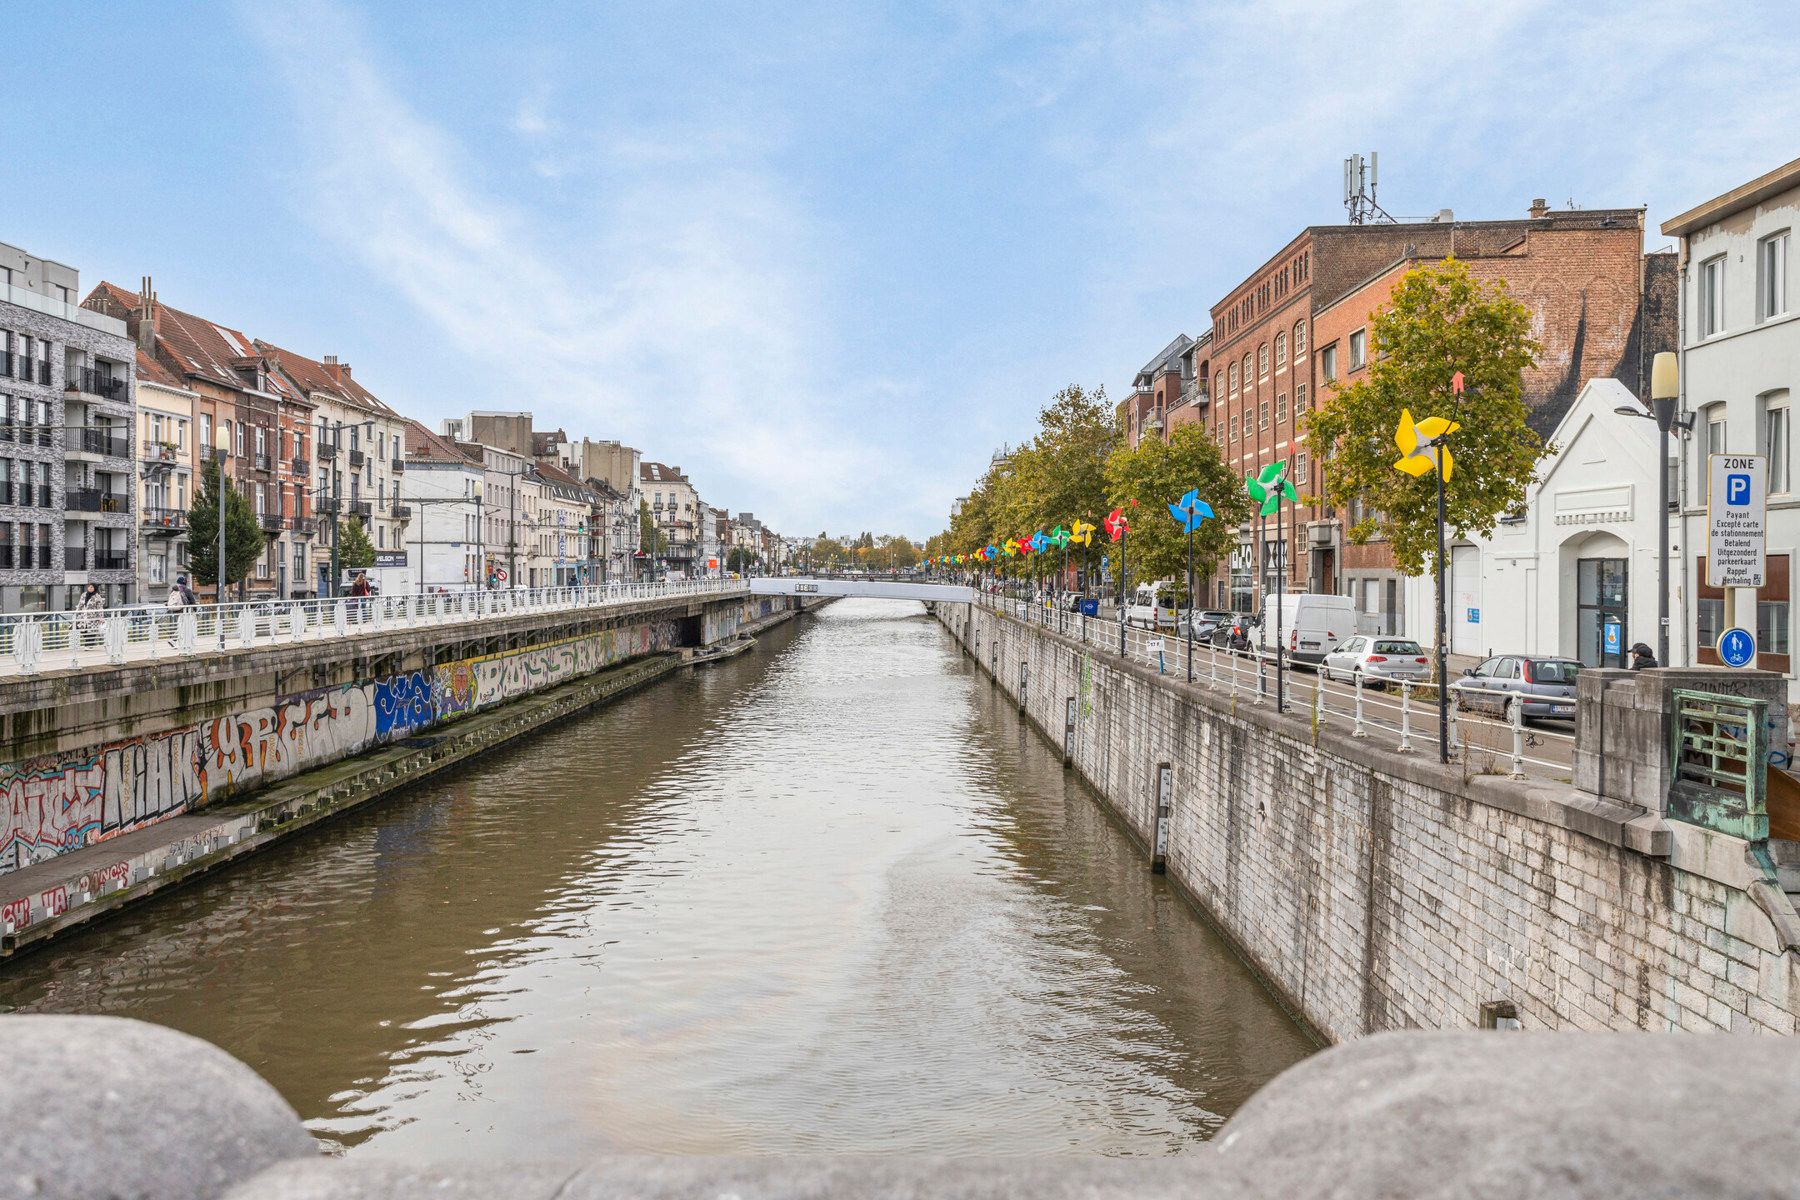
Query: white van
[(1312, 624), (1151, 607)]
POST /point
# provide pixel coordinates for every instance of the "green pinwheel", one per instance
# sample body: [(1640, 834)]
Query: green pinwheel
[(1270, 486), (1059, 537)]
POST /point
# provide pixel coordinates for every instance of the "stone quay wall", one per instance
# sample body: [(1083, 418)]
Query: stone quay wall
[(92, 755), (1375, 890)]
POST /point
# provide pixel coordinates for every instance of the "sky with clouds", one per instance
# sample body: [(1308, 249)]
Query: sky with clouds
[(823, 256)]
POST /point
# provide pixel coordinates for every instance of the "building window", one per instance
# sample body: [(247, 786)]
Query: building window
[(1280, 350), (1280, 407), (1359, 350), (1262, 361), (1776, 424), (1234, 427), (1262, 415), (1247, 375), (1300, 399), (1300, 468), (1231, 377), (1299, 339), (1328, 363), (205, 431), (1712, 296), (1771, 276), (240, 439)]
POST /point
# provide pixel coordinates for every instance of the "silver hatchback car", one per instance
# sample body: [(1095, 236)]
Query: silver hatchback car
[(1546, 686), (1378, 660)]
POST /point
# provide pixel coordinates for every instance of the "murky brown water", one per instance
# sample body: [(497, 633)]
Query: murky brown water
[(830, 896)]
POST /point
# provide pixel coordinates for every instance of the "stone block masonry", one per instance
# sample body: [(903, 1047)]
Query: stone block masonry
[(1376, 891)]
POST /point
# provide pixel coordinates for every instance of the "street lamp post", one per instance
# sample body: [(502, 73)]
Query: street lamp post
[(1665, 390), (221, 447)]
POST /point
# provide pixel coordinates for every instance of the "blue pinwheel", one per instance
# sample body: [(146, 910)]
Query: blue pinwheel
[(1038, 542), (1190, 510)]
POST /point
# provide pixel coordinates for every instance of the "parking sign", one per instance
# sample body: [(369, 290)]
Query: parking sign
[(1735, 520)]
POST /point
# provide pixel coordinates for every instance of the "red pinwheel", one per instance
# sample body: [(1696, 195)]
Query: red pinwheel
[(1116, 523)]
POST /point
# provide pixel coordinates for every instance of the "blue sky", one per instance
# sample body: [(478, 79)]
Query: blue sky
[(823, 256)]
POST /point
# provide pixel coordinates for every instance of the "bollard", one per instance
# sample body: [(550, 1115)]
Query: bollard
[(1405, 746), (1069, 732), (1318, 701), (1357, 680), (1518, 732), (1165, 803), (1024, 678)]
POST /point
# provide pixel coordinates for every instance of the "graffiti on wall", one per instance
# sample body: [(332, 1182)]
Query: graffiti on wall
[(51, 805)]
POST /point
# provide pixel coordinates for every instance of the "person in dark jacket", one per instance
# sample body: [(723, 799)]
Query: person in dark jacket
[(1642, 656)]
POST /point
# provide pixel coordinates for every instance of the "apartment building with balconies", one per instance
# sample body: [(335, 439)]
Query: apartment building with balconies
[(166, 477), (67, 456), (358, 448), (674, 517)]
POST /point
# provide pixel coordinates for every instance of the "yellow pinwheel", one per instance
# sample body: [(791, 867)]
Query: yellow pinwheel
[(1081, 533), (1418, 454)]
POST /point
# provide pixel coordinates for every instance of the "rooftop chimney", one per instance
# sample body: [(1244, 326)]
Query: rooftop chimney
[(146, 315), (1539, 209)]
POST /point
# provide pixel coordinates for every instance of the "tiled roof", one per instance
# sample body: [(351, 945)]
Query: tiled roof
[(655, 472), (151, 371), (314, 376), (191, 345), (427, 446)]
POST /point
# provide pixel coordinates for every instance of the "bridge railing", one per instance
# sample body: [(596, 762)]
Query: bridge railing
[(1489, 729), (33, 642)]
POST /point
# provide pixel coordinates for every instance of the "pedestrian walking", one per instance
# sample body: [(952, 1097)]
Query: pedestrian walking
[(1642, 656), (88, 614), (360, 591)]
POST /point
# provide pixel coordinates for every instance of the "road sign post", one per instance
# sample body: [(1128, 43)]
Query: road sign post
[(1737, 533), (1737, 648)]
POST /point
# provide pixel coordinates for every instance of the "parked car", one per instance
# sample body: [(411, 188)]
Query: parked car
[(1546, 684), (1150, 607), (1378, 660), (1312, 624), (1237, 634), (1206, 622)]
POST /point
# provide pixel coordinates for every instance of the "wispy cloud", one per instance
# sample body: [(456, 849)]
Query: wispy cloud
[(689, 323)]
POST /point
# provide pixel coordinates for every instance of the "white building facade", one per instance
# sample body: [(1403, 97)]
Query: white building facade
[(1740, 366)]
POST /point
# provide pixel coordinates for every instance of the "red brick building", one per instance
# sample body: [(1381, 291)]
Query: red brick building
[(1299, 324)]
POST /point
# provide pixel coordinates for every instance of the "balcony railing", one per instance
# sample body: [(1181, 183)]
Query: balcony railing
[(165, 520), (6, 363), (402, 512), (301, 466), (95, 382), (157, 452), (397, 466), (43, 372), (270, 521), (326, 450), (25, 435), (357, 458), (304, 526), (74, 558), (263, 462), (96, 440), (24, 557), (361, 508), (94, 500), (111, 560)]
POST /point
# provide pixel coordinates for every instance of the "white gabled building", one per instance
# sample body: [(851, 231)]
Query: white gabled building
[(1574, 573)]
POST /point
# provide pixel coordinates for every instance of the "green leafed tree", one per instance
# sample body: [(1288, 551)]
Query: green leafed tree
[(244, 538), (1158, 473), (1440, 321), (355, 551)]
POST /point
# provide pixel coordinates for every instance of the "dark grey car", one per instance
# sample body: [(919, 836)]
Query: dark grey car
[(1546, 684)]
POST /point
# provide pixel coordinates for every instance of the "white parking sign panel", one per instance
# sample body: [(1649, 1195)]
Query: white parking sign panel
[(1735, 520)]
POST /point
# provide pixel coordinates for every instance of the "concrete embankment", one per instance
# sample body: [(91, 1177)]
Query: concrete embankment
[(1375, 890), (225, 756)]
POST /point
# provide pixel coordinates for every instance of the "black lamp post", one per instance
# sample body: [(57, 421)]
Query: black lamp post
[(1665, 390)]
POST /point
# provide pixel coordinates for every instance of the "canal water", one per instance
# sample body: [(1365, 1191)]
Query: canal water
[(829, 896)]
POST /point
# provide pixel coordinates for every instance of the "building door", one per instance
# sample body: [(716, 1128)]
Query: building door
[(1601, 616), (1464, 586)]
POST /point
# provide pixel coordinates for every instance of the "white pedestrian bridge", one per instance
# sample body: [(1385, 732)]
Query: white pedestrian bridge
[(873, 587)]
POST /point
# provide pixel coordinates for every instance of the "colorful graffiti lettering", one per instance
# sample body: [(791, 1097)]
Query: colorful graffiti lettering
[(51, 805), (15, 915)]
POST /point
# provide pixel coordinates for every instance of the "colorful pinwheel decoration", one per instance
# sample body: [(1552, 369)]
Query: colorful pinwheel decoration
[(1117, 524), (1190, 510), (1271, 486), (1037, 542), (1059, 537), (993, 551), (1413, 438), (1081, 533), (1012, 547)]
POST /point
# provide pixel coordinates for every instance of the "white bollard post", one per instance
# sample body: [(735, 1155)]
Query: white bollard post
[(1518, 732), (1357, 679), (1406, 717)]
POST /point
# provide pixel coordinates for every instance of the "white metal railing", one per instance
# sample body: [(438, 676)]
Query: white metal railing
[(1401, 712), (32, 642)]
